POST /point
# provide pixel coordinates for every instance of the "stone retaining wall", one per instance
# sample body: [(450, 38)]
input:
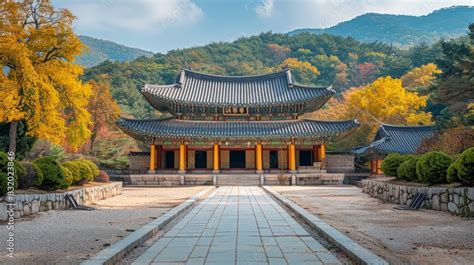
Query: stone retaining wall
[(26, 204), (458, 201)]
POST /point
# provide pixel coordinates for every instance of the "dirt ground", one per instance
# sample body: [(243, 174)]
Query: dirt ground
[(70, 237), (401, 237)]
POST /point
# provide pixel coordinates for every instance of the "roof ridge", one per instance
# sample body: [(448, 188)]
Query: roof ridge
[(407, 126), (202, 74)]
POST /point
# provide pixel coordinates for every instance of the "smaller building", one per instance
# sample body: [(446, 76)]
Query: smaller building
[(393, 139)]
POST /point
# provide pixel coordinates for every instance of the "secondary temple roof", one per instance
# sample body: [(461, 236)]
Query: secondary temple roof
[(265, 130), (396, 139), (198, 89)]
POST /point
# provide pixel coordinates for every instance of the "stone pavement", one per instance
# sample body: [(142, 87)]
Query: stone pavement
[(238, 225)]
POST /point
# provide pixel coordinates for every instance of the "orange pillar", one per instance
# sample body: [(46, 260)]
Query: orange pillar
[(216, 158), (258, 157), (292, 157), (182, 157), (152, 158), (322, 153)]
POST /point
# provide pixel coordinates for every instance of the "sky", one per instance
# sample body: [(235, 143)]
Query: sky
[(163, 25)]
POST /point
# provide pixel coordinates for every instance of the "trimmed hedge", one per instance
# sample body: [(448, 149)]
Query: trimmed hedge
[(411, 168), (85, 171), (19, 173), (53, 176), (463, 168), (402, 170), (68, 177), (33, 176), (93, 167), (432, 167), (390, 164), (75, 170)]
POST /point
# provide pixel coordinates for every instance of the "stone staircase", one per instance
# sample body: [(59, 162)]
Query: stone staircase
[(238, 180)]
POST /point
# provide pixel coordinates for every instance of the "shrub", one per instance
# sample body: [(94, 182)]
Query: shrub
[(53, 177), (75, 170), (33, 176), (452, 173), (103, 177), (390, 164), (432, 167), (93, 167), (463, 168), (68, 177), (85, 172), (402, 170), (411, 168), (19, 173)]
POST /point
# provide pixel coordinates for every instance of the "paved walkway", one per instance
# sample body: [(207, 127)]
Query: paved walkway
[(238, 225)]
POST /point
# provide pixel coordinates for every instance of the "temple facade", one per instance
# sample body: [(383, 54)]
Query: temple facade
[(224, 124)]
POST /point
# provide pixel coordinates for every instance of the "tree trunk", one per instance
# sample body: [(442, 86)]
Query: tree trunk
[(93, 136), (12, 136)]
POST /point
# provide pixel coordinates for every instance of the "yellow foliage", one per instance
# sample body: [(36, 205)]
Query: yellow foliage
[(420, 77), (40, 84), (385, 100), (303, 71)]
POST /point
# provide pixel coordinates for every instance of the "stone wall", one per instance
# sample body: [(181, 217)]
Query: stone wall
[(458, 201), (26, 204), (340, 163)]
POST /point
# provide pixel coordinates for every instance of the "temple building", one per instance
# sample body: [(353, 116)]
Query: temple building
[(393, 139), (223, 124)]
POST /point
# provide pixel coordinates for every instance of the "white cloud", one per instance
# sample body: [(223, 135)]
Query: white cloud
[(265, 8), (135, 15)]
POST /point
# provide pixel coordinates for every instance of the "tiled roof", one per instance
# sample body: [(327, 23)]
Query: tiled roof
[(200, 89), (269, 130), (397, 139)]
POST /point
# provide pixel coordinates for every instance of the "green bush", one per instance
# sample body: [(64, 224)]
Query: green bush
[(4, 165), (452, 173), (432, 167), (75, 169), (390, 164), (53, 177), (85, 171), (33, 176), (463, 168), (410, 168), (402, 170), (68, 177), (94, 168)]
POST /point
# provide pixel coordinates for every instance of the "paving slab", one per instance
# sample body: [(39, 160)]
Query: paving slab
[(238, 225)]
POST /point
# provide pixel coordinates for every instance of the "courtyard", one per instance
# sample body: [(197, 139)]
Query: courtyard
[(420, 237)]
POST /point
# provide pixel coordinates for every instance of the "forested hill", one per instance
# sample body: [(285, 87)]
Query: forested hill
[(403, 30), (102, 50), (314, 59)]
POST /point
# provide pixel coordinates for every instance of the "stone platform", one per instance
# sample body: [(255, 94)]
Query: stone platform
[(240, 179)]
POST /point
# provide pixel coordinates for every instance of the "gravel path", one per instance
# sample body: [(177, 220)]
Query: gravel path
[(419, 237), (68, 237)]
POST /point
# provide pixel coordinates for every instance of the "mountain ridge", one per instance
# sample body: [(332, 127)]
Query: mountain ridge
[(402, 30)]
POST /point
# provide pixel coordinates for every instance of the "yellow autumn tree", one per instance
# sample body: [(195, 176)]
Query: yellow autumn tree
[(102, 107), (419, 78), (39, 80), (385, 100), (304, 72)]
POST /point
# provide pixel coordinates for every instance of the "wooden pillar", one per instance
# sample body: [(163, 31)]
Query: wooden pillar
[(315, 153), (182, 157), (159, 155), (152, 158), (216, 158), (292, 157), (322, 153), (258, 158)]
